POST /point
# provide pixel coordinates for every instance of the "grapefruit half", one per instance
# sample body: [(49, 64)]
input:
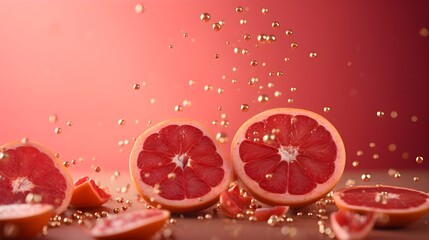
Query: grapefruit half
[(87, 194), (23, 221), (396, 206), (287, 156), (177, 164), (139, 224), (31, 168)]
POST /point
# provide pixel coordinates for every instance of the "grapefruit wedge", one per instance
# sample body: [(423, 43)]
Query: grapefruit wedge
[(87, 194), (139, 224), (31, 168), (177, 165), (396, 206), (288, 156), (348, 225), (23, 221)]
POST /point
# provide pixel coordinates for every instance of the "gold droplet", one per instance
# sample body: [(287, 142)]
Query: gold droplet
[(66, 164), (264, 10), (405, 155), (294, 45), (326, 109), (53, 118), (366, 177), (372, 144), (424, 32), (221, 137), (290, 100), (208, 88), (69, 123), (178, 108), (185, 34), (217, 56), (58, 130), (293, 89), (239, 9), (375, 156), (263, 98), (271, 38), (289, 32), (394, 114), (416, 179), (136, 86), (279, 73), (186, 103), (392, 147), (116, 210), (269, 176), (391, 172), (277, 94), (380, 113), (275, 24), (220, 90), (313, 55), (138, 8), (419, 159), (243, 21), (414, 118), (171, 176), (397, 175), (253, 63), (287, 59), (191, 82), (244, 107), (359, 153), (355, 163), (269, 138), (270, 85), (96, 169), (262, 38), (217, 26), (247, 37), (121, 122), (205, 17)]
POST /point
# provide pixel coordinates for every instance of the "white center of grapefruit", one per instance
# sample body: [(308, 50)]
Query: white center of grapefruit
[(182, 160), (288, 153), (21, 184)]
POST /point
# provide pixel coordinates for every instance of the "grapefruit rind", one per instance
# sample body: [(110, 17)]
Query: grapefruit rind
[(58, 165), (25, 220), (285, 198), (387, 218), (130, 225), (86, 196), (189, 204)]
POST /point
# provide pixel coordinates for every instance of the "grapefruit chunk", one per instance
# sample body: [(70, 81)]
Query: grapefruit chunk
[(23, 221), (87, 194), (28, 168), (139, 224), (288, 156), (177, 165), (396, 206), (349, 225), (233, 202)]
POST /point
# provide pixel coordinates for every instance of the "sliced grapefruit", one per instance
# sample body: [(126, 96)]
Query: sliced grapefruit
[(233, 202), (397, 206), (348, 225), (264, 213), (30, 168), (130, 225), (87, 194), (288, 156), (177, 165), (23, 221)]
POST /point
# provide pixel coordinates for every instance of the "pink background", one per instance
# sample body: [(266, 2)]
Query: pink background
[(79, 60)]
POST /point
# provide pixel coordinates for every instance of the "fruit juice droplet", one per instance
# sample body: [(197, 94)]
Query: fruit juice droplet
[(244, 107), (205, 17), (288, 32), (217, 56), (290, 100), (419, 159), (239, 9), (221, 137), (355, 163), (69, 123), (208, 88), (58, 130), (366, 177), (66, 164), (262, 38), (277, 94), (293, 89), (380, 113), (279, 73), (397, 175), (416, 179), (243, 21), (270, 85), (287, 59), (271, 38), (220, 90), (217, 26), (424, 32), (186, 103), (313, 55), (138, 8), (391, 147), (326, 109), (121, 122), (275, 24), (53, 118), (294, 45), (185, 34), (253, 63), (178, 108), (264, 10), (394, 114), (263, 98), (247, 37), (136, 86)]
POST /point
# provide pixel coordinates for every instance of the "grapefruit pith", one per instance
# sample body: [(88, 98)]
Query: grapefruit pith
[(287, 156), (139, 224), (28, 168), (396, 206), (87, 194), (177, 165), (23, 221)]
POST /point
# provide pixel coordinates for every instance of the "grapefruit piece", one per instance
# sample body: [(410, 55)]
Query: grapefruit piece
[(287, 156), (31, 168), (396, 206), (348, 225), (139, 224), (264, 213), (177, 165), (87, 194), (232, 202), (23, 221)]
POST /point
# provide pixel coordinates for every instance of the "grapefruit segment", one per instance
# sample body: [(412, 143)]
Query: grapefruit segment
[(233, 202), (177, 164), (396, 206), (349, 225), (288, 156), (264, 213), (23, 221), (130, 225), (30, 168), (87, 194)]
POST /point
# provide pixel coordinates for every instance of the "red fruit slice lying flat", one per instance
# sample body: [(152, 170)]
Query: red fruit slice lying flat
[(87, 194), (130, 225), (349, 225), (397, 206), (288, 156), (264, 213), (31, 168), (232, 202), (23, 221), (177, 164)]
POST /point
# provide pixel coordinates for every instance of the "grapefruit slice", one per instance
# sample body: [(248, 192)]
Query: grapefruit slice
[(30, 168), (177, 165), (287, 156), (87, 194), (130, 225), (232, 202), (348, 225), (264, 213), (397, 206), (23, 221)]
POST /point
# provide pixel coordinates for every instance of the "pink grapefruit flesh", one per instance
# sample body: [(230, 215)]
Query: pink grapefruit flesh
[(177, 164), (87, 194), (348, 225), (30, 168), (288, 156)]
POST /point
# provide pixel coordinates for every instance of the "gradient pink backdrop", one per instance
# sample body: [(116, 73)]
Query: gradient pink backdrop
[(80, 59)]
